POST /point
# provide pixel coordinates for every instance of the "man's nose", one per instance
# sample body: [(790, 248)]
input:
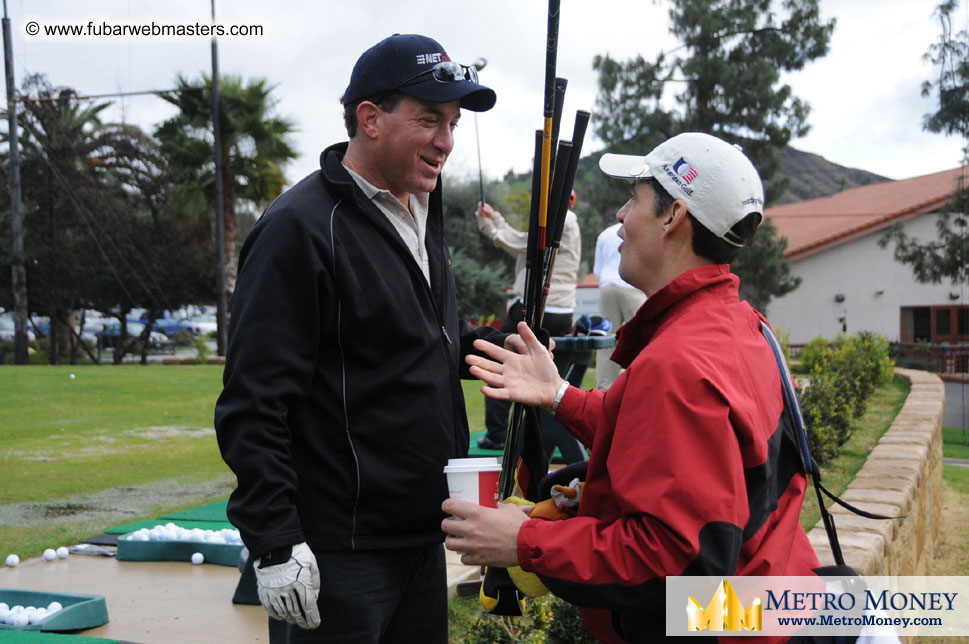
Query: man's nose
[(444, 141)]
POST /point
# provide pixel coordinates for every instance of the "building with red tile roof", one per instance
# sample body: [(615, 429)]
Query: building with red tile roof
[(849, 283)]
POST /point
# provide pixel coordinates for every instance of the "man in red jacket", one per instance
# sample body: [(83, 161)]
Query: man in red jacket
[(691, 472)]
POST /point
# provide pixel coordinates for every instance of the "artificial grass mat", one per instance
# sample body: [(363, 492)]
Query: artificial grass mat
[(211, 512), (38, 637), (205, 517)]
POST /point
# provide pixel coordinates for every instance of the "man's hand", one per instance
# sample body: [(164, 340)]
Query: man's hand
[(524, 372), (289, 590), (486, 536), (486, 222)]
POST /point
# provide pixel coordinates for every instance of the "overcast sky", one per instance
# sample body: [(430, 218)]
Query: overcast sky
[(865, 95)]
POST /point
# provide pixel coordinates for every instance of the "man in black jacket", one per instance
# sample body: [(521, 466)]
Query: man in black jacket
[(341, 401)]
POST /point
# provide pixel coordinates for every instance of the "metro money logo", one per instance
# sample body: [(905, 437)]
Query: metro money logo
[(725, 612)]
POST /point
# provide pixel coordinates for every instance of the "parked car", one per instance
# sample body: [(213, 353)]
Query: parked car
[(110, 335), (166, 323), (7, 329), (203, 325)]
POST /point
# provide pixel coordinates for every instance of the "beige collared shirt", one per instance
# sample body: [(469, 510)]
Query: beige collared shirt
[(410, 223)]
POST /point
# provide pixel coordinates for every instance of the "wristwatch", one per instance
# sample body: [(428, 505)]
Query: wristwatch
[(276, 556)]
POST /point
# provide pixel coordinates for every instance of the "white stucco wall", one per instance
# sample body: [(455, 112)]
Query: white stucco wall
[(858, 269)]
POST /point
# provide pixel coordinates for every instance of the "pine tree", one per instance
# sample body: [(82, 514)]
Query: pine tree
[(946, 257), (723, 79)]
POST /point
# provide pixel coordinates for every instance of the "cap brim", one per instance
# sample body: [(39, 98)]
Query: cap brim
[(473, 96), (624, 166)]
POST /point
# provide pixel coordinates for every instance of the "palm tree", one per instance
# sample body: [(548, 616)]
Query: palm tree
[(254, 152), (73, 164)]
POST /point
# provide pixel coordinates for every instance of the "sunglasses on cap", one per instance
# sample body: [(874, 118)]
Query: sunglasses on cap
[(446, 72)]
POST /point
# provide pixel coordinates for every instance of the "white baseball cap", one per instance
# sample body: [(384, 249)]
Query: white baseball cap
[(716, 179)]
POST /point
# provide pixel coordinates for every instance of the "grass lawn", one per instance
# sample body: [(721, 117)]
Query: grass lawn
[(112, 427), (955, 442), (106, 427), (109, 427), (837, 473)]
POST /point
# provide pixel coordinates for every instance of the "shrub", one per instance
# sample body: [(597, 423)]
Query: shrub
[(843, 375), (202, 350), (566, 626), (41, 353), (184, 338), (784, 337), (547, 620), (813, 352), (827, 408)]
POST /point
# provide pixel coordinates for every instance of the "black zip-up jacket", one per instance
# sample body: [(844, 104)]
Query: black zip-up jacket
[(342, 401)]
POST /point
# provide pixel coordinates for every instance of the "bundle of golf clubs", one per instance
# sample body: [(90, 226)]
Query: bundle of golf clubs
[(553, 174)]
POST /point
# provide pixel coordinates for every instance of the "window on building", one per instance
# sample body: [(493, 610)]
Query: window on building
[(945, 324)]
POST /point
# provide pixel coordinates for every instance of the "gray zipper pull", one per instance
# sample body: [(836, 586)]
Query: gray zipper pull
[(446, 336)]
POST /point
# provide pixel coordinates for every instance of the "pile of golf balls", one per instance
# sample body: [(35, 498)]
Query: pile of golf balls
[(23, 615), (172, 532)]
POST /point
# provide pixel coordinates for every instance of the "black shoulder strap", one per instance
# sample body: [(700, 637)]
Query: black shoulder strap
[(808, 464)]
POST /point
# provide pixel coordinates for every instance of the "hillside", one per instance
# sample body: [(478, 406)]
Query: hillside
[(814, 176)]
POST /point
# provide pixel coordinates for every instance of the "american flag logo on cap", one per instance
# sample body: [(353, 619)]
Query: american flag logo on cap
[(685, 170)]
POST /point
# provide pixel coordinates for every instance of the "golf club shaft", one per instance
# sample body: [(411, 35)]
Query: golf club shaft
[(551, 51), (477, 140)]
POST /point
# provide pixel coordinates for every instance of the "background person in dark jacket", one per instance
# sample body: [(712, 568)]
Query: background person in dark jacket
[(341, 401)]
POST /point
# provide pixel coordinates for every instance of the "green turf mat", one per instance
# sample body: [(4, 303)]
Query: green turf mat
[(35, 637), (474, 451), (151, 523), (211, 512)]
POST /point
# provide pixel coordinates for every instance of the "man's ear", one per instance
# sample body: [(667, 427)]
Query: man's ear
[(674, 217), (368, 119)]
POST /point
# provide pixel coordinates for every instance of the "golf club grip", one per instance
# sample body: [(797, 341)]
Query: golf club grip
[(551, 51), (560, 85), (532, 258), (572, 166), (558, 198)]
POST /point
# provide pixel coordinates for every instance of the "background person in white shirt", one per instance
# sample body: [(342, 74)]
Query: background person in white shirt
[(559, 306), (618, 301)]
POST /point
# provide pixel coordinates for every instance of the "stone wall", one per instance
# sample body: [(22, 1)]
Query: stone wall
[(903, 475)]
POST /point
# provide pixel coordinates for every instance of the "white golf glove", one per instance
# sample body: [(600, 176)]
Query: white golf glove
[(289, 590)]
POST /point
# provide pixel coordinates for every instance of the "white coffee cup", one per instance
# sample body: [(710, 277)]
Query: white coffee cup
[(474, 480)]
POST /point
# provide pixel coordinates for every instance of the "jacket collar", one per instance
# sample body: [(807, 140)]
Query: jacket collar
[(337, 178), (331, 165), (713, 281)]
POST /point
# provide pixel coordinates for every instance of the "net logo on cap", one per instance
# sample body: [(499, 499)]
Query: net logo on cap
[(685, 170), (432, 59)]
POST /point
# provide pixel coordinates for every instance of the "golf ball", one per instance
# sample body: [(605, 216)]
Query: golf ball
[(62, 552), (53, 607), (12, 560), (72, 376), (198, 558), (50, 554)]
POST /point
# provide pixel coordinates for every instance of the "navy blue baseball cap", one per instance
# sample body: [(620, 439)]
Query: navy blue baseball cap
[(417, 66)]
